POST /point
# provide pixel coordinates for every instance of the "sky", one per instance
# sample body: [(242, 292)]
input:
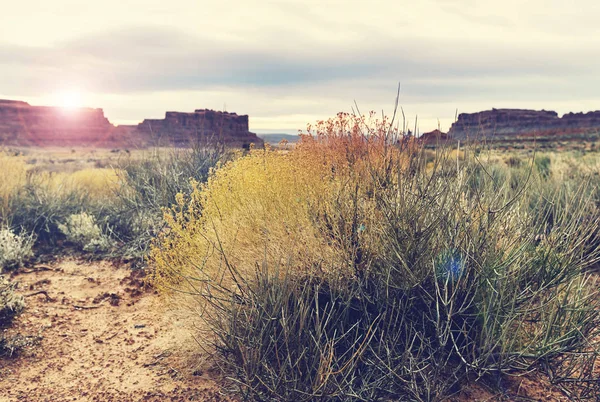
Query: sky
[(288, 63)]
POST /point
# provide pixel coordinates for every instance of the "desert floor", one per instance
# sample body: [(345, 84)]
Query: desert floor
[(106, 336)]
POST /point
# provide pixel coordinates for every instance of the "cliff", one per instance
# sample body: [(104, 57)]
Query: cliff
[(506, 123), (24, 125), (179, 128)]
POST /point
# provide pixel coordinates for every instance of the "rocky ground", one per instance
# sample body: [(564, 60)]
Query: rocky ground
[(105, 336)]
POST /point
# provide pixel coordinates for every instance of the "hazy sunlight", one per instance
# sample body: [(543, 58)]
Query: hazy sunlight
[(69, 99)]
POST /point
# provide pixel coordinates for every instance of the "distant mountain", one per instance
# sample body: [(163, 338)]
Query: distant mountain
[(275, 138), (507, 124), (182, 129), (22, 124), (26, 125)]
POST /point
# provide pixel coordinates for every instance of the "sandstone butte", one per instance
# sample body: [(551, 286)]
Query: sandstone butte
[(24, 125), (434, 137), (503, 124)]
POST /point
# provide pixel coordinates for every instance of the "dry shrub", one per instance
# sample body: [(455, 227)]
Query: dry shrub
[(14, 249), (83, 231), (282, 201), (256, 200), (12, 345), (11, 304), (98, 185), (125, 202), (356, 267), (35, 202), (150, 182)]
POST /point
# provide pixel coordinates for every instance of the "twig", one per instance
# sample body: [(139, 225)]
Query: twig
[(576, 380), (521, 398), (99, 338), (40, 292), (39, 268), (158, 358), (85, 307), (138, 348)]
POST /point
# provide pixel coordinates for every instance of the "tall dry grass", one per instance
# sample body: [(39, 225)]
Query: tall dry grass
[(13, 174)]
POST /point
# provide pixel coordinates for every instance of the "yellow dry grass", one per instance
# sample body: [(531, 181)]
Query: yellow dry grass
[(13, 176), (98, 184)]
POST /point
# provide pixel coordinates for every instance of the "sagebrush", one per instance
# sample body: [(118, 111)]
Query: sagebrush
[(360, 267), (15, 249), (11, 304)]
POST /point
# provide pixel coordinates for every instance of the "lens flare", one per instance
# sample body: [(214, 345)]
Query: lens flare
[(69, 100)]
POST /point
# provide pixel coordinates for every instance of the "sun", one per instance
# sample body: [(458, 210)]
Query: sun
[(69, 99)]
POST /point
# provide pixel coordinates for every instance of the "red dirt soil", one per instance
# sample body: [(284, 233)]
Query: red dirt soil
[(104, 338)]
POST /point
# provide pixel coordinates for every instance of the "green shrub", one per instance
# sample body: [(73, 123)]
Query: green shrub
[(42, 205), (149, 184), (542, 163), (11, 305), (440, 305), (514, 161), (9, 346), (96, 209)]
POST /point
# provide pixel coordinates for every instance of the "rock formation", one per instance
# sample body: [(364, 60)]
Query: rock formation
[(24, 125), (202, 125), (433, 137), (507, 123)]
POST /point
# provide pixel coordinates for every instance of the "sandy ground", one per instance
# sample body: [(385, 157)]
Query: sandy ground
[(107, 337), (104, 337)]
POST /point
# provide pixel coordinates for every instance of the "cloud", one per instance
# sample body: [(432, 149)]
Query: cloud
[(293, 60), (146, 59)]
